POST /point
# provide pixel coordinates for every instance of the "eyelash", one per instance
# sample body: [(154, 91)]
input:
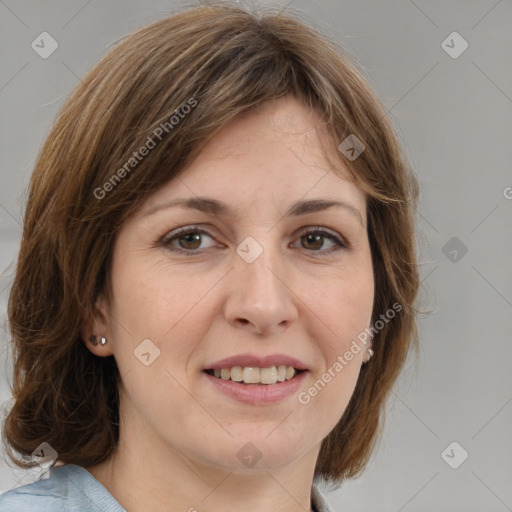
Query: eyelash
[(166, 241)]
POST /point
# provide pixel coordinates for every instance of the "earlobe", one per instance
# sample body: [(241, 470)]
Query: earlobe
[(94, 340), (369, 354), (94, 330)]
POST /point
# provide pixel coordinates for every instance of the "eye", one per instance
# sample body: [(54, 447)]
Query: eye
[(188, 240), (314, 239)]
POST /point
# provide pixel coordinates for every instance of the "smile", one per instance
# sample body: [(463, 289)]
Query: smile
[(256, 392), (254, 375)]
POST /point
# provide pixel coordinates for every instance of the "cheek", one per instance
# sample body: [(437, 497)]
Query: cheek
[(154, 300), (328, 391), (165, 306), (155, 329), (342, 309), (342, 306)]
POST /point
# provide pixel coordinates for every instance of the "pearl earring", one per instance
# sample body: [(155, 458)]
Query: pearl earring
[(93, 340)]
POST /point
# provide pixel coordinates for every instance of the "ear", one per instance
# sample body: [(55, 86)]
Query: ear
[(95, 327)]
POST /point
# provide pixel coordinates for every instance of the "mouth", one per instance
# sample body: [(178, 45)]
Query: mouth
[(250, 375)]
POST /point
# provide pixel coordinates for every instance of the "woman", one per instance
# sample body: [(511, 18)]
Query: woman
[(216, 282)]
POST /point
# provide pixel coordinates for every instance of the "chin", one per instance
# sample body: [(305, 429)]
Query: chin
[(262, 450)]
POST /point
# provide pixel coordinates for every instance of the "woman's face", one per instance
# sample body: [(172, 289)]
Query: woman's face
[(247, 281)]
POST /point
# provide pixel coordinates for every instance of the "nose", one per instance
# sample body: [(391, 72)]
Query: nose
[(261, 297)]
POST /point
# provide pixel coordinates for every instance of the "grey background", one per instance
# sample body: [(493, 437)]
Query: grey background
[(454, 119)]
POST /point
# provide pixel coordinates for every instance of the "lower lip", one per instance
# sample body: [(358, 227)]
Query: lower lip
[(258, 394)]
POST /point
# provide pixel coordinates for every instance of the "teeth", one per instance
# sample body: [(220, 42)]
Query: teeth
[(268, 375), (237, 374), (252, 375)]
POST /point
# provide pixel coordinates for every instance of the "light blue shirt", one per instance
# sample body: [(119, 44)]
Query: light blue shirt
[(70, 488)]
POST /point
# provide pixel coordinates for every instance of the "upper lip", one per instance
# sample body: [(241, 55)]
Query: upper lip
[(255, 361)]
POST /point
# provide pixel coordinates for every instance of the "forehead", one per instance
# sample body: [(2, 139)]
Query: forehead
[(270, 155)]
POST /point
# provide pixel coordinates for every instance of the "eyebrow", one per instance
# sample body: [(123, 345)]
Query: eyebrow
[(218, 208)]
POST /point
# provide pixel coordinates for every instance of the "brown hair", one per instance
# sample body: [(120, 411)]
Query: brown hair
[(225, 60)]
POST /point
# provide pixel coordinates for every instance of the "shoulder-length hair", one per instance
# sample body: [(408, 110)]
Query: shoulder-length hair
[(90, 177)]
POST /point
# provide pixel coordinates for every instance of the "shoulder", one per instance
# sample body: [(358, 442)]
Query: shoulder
[(67, 488), (44, 494)]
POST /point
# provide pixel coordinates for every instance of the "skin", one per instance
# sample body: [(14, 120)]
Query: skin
[(179, 436)]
